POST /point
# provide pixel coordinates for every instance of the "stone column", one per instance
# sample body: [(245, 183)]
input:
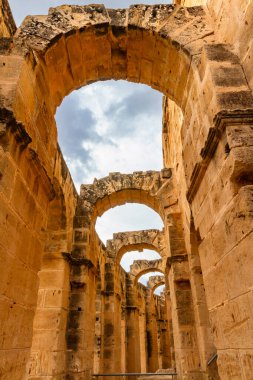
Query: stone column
[(159, 335), (81, 319), (207, 350), (184, 331), (169, 335), (143, 343), (48, 353), (123, 339), (99, 322), (152, 337), (163, 330), (111, 342), (142, 326), (133, 362)]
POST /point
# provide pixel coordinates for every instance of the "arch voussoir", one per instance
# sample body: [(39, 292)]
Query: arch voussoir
[(118, 189), (155, 281), (124, 242), (89, 43), (140, 267)]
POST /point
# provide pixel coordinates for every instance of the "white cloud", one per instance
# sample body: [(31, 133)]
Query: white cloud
[(124, 135), (119, 131)]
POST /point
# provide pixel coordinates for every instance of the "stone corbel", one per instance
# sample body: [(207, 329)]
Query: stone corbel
[(131, 307), (82, 261), (221, 121), (176, 259), (9, 123)]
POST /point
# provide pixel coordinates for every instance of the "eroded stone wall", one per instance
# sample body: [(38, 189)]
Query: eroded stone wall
[(199, 57)]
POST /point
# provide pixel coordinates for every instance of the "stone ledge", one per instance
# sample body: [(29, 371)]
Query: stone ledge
[(77, 261), (221, 121)]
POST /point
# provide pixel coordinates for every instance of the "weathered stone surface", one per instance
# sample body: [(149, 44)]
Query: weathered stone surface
[(64, 300)]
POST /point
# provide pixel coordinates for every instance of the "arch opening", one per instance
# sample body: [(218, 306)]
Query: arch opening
[(144, 275), (129, 217), (81, 49), (110, 126), (129, 257), (158, 289)]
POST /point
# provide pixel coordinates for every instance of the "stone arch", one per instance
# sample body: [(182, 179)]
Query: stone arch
[(140, 267), (40, 59), (134, 44), (124, 242), (157, 286), (118, 189), (168, 47), (155, 281), (154, 189)]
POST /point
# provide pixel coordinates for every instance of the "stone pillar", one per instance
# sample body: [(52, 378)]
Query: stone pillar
[(142, 326), (164, 334), (159, 335), (123, 339), (81, 319), (143, 343), (207, 350), (133, 361), (48, 353), (152, 336), (169, 335), (99, 322), (111, 342), (184, 332)]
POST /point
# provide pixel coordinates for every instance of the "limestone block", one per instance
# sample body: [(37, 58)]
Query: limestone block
[(187, 339), (56, 298), (239, 136), (54, 259), (49, 339), (23, 202), (50, 319), (238, 264), (246, 360), (233, 226), (13, 363), (229, 365), (17, 328), (180, 271), (217, 283), (52, 279), (45, 362), (237, 322)]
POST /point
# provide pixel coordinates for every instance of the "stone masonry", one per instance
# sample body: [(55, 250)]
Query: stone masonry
[(67, 308)]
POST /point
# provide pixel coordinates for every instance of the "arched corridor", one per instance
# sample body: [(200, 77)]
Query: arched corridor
[(67, 307)]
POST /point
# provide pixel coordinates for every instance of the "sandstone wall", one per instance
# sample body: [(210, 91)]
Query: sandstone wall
[(48, 232), (7, 23), (232, 20)]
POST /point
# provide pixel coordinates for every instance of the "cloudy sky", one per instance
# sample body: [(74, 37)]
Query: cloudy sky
[(106, 127)]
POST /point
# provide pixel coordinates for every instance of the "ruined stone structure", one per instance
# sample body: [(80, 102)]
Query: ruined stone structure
[(67, 309)]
